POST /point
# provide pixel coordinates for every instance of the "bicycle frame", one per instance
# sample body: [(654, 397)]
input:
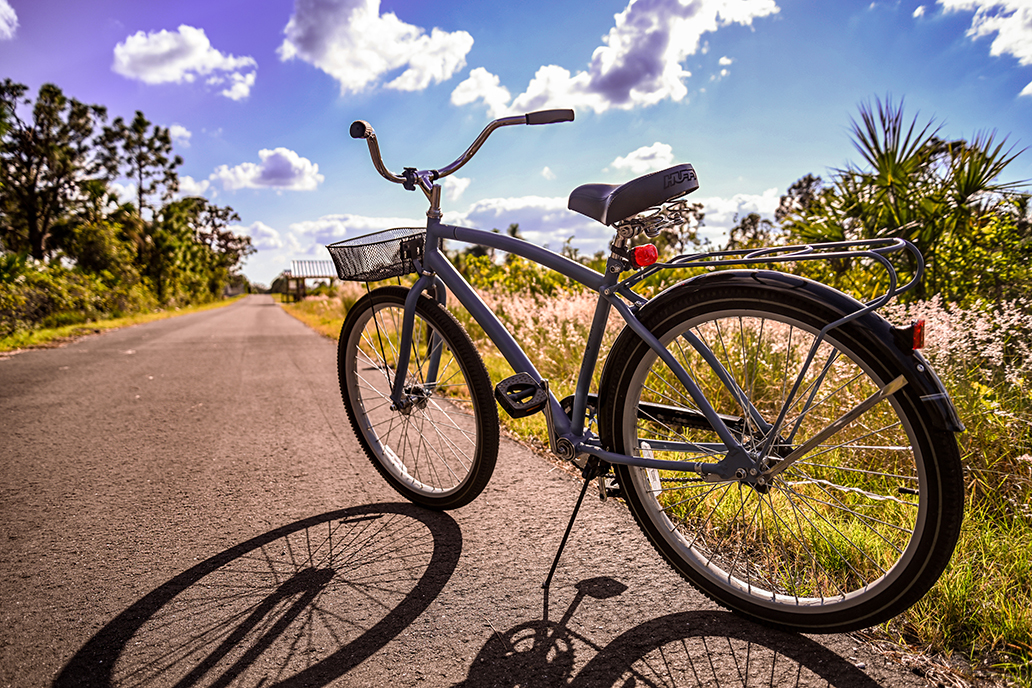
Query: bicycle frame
[(571, 433), (567, 435)]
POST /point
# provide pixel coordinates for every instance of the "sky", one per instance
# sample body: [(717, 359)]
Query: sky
[(259, 94)]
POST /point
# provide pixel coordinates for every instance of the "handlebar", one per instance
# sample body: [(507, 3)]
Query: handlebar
[(425, 179)]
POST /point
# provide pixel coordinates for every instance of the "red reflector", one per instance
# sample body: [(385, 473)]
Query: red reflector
[(919, 331), (645, 256)]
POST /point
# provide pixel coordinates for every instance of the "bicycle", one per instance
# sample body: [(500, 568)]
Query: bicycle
[(782, 446)]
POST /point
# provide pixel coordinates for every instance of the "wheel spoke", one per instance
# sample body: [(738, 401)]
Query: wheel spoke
[(436, 447), (838, 513)]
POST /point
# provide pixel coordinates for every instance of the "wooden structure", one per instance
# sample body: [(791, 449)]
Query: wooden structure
[(303, 270)]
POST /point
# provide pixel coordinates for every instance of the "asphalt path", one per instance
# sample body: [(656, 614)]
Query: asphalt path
[(183, 503)]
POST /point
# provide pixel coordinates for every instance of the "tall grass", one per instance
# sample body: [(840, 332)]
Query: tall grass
[(981, 608)]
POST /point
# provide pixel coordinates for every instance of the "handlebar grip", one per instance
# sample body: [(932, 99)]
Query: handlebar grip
[(360, 129), (549, 116)]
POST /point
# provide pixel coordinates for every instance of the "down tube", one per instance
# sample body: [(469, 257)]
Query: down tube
[(494, 329)]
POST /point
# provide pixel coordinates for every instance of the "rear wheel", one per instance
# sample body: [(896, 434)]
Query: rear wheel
[(441, 449), (851, 533)]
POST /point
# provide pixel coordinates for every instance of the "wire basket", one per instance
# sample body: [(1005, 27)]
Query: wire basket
[(378, 256)]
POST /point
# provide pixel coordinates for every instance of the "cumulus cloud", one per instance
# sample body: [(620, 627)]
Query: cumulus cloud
[(124, 193), (639, 63), (180, 134), (8, 21), (188, 186), (1010, 20), (484, 86), (183, 55), (453, 187), (330, 228), (263, 237), (280, 168), (721, 212), (542, 220), (658, 156), (545, 221), (352, 42), (919, 12)]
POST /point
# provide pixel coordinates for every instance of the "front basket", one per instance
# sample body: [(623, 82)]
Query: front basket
[(378, 256)]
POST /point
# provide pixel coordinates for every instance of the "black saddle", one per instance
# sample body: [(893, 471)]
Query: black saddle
[(609, 203)]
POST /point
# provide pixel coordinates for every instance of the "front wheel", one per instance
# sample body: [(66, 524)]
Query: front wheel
[(850, 534), (440, 450)]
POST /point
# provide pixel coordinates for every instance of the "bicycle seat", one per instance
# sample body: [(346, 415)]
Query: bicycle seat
[(609, 203)]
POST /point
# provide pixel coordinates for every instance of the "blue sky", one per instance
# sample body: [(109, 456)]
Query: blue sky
[(755, 93)]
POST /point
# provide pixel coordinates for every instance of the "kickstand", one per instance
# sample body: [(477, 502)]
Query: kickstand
[(588, 473)]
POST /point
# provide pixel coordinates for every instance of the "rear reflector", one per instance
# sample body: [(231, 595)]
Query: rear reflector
[(919, 331)]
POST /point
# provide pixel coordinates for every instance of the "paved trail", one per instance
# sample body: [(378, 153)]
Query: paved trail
[(183, 503)]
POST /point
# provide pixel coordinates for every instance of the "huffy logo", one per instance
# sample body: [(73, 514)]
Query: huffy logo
[(678, 177)]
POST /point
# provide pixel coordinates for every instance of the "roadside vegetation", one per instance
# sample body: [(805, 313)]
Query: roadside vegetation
[(975, 232), (92, 224), (48, 337)]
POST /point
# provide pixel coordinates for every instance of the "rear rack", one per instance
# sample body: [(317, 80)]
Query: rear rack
[(875, 250)]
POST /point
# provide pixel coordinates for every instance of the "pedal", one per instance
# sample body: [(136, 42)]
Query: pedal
[(521, 395), (611, 488)]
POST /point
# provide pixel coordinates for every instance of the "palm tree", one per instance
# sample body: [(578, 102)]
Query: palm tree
[(944, 196)]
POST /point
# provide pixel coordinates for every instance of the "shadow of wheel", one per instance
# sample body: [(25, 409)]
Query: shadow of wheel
[(701, 648), (300, 605), (707, 648)]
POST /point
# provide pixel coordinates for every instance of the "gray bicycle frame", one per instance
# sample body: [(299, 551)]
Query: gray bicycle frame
[(435, 265)]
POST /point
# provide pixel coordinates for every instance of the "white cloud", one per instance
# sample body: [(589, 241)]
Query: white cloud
[(547, 221), (482, 85), (183, 55), (726, 61), (188, 186), (331, 228), (721, 212), (454, 187), (239, 85), (180, 134), (352, 42), (125, 193), (263, 237), (1010, 20), (8, 21), (919, 12), (542, 220), (658, 156), (639, 63), (280, 168), (548, 174)]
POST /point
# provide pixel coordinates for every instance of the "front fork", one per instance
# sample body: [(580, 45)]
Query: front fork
[(402, 399)]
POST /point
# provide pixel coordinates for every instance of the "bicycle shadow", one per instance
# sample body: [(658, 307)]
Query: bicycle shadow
[(698, 648), (268, 611)]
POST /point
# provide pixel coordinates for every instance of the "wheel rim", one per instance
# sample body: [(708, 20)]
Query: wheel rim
[(430, 448), (836, 527)]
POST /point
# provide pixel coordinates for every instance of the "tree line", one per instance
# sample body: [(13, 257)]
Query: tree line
[(947, 196), (70, 249)]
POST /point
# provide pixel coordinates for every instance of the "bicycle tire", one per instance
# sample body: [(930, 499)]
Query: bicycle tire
[(850, 535), (441, 452)]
